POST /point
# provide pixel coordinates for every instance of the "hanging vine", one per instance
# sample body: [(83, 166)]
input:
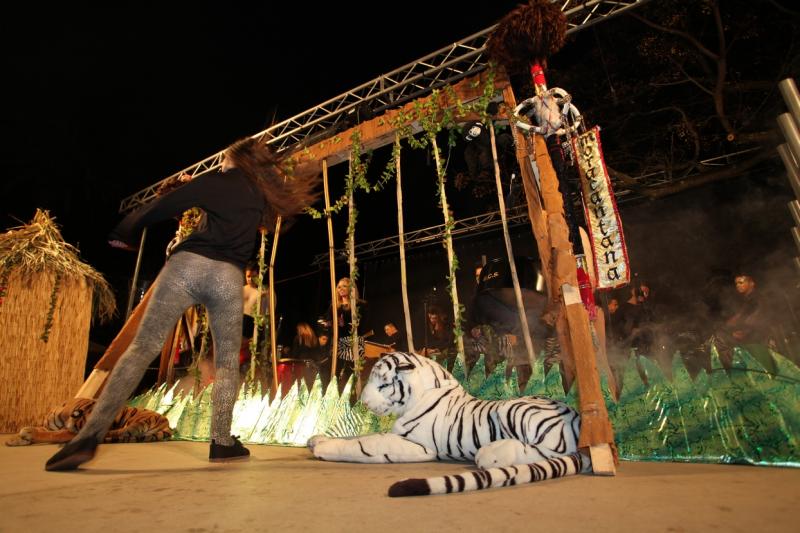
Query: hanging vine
[(441, 111), (352, 215), (356, 179), (48, 323), (3, 286), (359, 181), (260, 322)]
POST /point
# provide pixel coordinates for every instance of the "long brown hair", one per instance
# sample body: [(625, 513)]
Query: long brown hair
[(306, 335), (442, 318), (286, 195)]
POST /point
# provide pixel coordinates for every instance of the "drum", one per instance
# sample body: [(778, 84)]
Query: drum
[(291, 370)]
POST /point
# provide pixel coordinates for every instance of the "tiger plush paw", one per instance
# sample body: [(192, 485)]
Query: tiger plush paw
[(23, 438), (316, 439), (500, 454)]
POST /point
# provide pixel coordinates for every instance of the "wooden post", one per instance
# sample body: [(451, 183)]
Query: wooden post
[(351, 254), (135, 278), (448, 240), (523, 319), (331, 258), (546, 208), (257, 311), (596, 432), (402, 246), (273, 335)]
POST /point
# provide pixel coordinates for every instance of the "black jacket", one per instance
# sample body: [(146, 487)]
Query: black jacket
[(233, 209)]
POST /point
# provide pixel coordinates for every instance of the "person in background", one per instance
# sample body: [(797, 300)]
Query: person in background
[(250, 291), (250, 299), (324, 361), (637, 318), (324, 339), (478, 269), (306, 343), (745, 325), (615, 321), (439, 336), (748, 326), (250, 190), (344, 318), (394, 337)]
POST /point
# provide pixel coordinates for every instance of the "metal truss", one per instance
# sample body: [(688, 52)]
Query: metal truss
[(663, 177), (466, 227), (516, 216), (414, 80)]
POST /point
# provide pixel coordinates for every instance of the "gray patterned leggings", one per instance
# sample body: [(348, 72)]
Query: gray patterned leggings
[(186, 279)]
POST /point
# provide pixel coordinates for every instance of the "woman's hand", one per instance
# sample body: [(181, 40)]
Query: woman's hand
[(121, 245)]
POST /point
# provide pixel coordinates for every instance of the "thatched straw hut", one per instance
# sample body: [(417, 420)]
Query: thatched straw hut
[(46, 300)]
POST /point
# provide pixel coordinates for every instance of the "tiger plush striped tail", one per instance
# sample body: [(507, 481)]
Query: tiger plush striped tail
[(492, 477)]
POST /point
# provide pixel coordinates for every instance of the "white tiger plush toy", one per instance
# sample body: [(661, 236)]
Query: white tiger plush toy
[(513, 441)]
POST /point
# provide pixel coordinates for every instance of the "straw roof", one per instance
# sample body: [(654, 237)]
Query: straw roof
[(38, 247)]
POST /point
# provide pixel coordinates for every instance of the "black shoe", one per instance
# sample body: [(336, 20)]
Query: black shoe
[(235, 452), (75, 453)]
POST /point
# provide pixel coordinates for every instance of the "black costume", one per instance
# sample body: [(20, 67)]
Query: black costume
[(233, 208), (345, 320)]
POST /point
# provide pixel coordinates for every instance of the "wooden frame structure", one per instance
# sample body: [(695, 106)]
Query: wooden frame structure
[(545, 211), (545, 204)]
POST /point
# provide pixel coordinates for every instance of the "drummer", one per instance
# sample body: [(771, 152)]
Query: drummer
[(305, 345)]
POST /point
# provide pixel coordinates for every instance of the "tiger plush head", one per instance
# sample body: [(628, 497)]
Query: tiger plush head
[(398, 378), (72, 414)]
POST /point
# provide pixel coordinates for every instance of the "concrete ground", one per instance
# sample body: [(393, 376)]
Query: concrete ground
[(170, 486)]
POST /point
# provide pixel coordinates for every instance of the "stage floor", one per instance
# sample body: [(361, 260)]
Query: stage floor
[(171, 486)]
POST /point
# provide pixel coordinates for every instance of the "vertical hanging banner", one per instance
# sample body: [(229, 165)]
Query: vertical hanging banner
[(605, 228)]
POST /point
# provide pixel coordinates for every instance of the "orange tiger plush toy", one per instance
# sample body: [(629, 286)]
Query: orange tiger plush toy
[(63, 423)]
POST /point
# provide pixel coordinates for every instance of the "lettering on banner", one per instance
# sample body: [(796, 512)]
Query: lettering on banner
[(605, 228)]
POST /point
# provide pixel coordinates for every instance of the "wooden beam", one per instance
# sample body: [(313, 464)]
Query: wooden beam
[(380, 130)]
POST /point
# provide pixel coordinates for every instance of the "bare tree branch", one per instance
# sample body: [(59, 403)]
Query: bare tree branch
[(720, 58), (690, 79), (691, 182), (722, 73), (697, 44), (783, 9), (689, 126)]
